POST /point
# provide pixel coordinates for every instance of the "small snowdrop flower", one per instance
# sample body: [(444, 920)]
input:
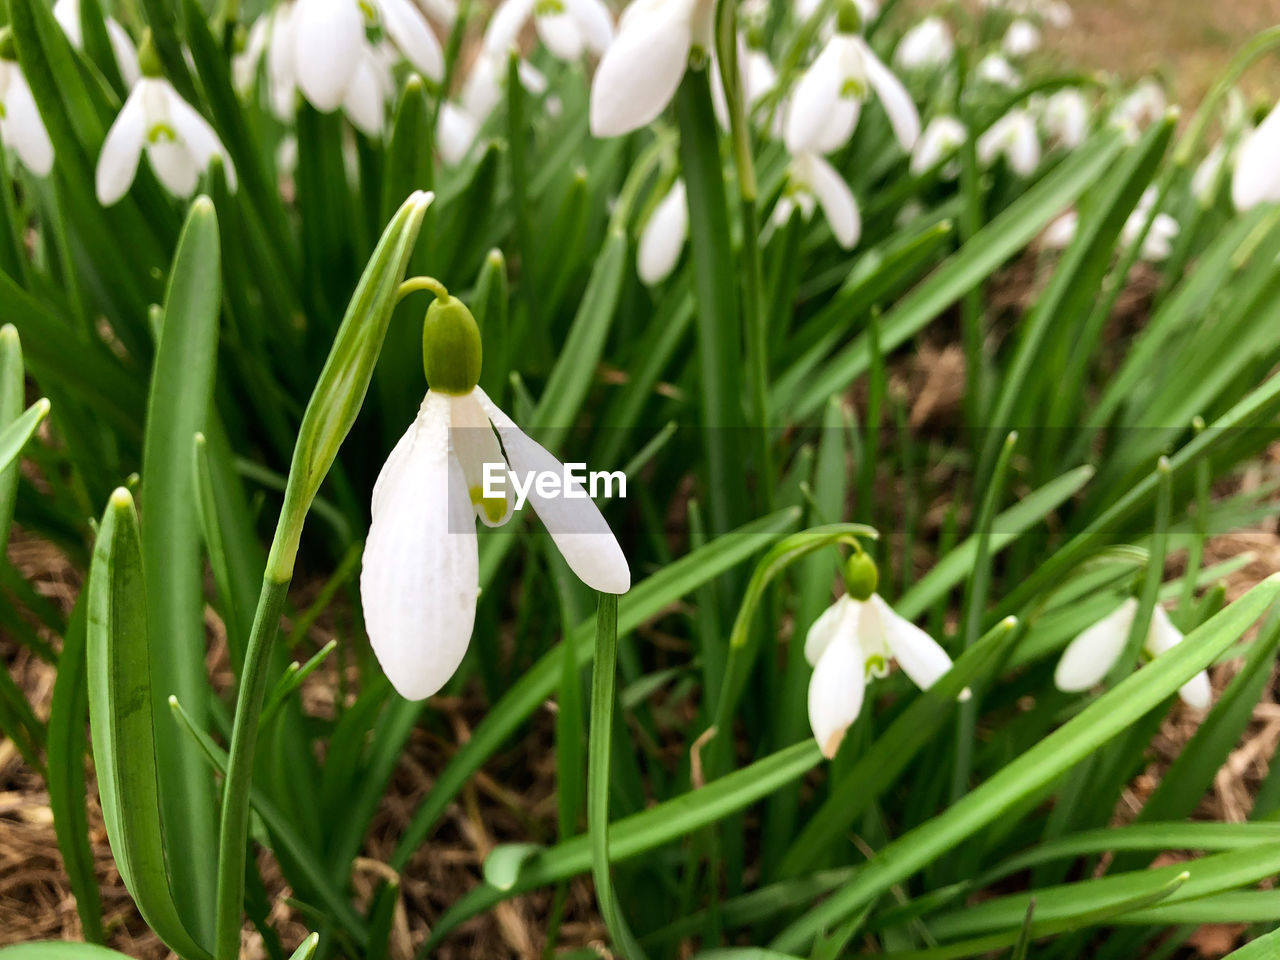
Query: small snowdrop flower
[(1066, 117), (1090, 656), (663, 236), (1143, 106), (855, 639), (757, 75), (1158, 243), (941, 138), (331, 41), (812, 182), (1014, 137), (568, 28), (459, 124), (1057, 13), (827, 100), (420, 577), (179, 143), (271, 36), (1257, 175), (1021, 39), (640, 72), (21, 128), (995, 69), (67, 13), (926, 45), (1205, 180), (1059, 234)]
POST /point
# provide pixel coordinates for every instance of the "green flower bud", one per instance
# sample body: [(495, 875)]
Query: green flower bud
[(148, 59), (451, 351), (8, 50), (861, 576), (848, 17)]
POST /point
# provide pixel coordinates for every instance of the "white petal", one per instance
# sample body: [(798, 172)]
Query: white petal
[(836, 690), (244, 65), (364, 104), (663, 236), (200, 139), (410, 32), (1090, 656), (24, 128), (897, 102), (118, 161), (174, 167), (1162, 637), (281, 71), (1197, 692), (838, 620), (573, 520), (639, 74), (1024, 151), (594, 22), (455, 132), (1021, 39), (475, 445), (503, 30), (917, 653), (67, 13), (812, 119), (837, 201), (1059, 234), (1257, 175), (328, 36), (560, 33), (420, 577), (446, 11), (125, 52)]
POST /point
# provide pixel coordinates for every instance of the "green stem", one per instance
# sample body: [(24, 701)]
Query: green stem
[(600, 741), (516, 133)]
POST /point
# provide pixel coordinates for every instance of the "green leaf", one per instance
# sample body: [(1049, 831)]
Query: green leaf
[(12, 391), (1266, 947), (59, 950), (122, 723)]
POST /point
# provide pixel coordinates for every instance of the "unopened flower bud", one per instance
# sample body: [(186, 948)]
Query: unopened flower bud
[(148, 59), (451, 351), (860, 576)]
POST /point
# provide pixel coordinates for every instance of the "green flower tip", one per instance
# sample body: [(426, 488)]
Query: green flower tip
[(148, 59), (451, 351), (121, 499), (848, 17), (861, 577), (9, 333), (8, 49)]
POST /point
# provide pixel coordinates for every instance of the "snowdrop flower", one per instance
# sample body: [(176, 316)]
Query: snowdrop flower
[(1066, 117), (569, 28), (21, 128), (1057, 13), (1143, 106), (757, 75), (331, 60), (67, 13), (459, 124), (811, 182), (179, 143), (854, 640), (456, 131), (271, 36), (1257, 175), (663, 236), (1059, 234), (1158, 243), (995, 69), (941, 138), (827, 100), (1022, 38), (926, 45), (640, 72), (1090, 656), (419, 582), (1014, 137), (1207, 175)]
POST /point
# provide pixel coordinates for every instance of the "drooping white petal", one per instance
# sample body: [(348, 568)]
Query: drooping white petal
[(594, 22), (994, 68), (24, 131), (67, 13), (122, 149), (199, 138), (364, 104), (420, 577), (446, 11), (640, 72), (1021, 39), (282, 79), (328, 36), (1090, 656), (455, 132), (663, 236), (838, 620), (125, 52), (927, 44), (502, 33), (897, 102), (1162, 637), (1066, 117), (244, 65), (812, 110), (410, 32), (1257, 174), (475, 445), (917, 653), (572, 518), (836, 691), (836, 199), (940, 139), (560, 33), (174, 167), (1059, 234)]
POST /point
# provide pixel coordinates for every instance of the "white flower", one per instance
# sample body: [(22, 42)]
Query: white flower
[(330, 47), (994, 68), (1205, 179), (756, 74), (663, 236), (1158, 243), (271, 36), (1057, 13), (1066, 117), (459, 124), (940, 140), (827, 100), (420, 578), (1022, 38), (1257, 175), (926, 45), (850, 643), (640, 72), (811, 181), (178, 141), (456, 131), (1090, 656), (1143, 106), (21, 128), (67, 13), (1014, 137), (569, 28), (1059, 234)]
